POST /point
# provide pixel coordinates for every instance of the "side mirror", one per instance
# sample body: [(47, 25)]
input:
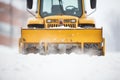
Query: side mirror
[(29, 4), (93, 4)]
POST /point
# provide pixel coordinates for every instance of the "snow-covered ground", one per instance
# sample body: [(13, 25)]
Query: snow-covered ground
[(15, 66)]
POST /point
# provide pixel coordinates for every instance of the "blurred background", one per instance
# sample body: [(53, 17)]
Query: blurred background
[(13, 16)]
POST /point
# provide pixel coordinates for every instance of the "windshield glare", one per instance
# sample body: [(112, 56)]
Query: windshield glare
[(61, 7)]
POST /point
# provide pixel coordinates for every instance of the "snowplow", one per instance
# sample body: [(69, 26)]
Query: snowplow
[(61, 26)]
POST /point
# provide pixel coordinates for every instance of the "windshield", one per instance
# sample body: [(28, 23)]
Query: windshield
[(61, 7)]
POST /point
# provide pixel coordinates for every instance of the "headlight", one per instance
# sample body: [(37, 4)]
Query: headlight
[(73, 20), (49, 21)]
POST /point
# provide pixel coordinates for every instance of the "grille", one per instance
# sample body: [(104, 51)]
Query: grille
[(71, 23), (57, 25)]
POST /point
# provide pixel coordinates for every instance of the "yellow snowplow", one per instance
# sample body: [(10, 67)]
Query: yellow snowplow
[(61, 25)]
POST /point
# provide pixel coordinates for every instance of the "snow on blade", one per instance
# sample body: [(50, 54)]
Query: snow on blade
[(15, 66)]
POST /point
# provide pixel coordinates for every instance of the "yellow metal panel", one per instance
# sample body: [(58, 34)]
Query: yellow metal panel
[(62, 35), (86, 21), (83, 9), (35, 21)]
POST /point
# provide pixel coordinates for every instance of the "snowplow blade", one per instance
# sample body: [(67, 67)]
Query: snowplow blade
[(31, 38)]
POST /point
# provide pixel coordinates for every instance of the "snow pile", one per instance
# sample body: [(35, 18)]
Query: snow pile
[(15, 66)]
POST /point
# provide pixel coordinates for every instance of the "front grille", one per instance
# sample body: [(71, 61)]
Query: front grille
[(50, 25), (70, 25)]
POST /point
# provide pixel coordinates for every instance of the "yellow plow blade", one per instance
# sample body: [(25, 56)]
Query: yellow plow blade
[(62, 36)]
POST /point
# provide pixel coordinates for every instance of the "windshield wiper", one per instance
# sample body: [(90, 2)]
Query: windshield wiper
[(61, 6)]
